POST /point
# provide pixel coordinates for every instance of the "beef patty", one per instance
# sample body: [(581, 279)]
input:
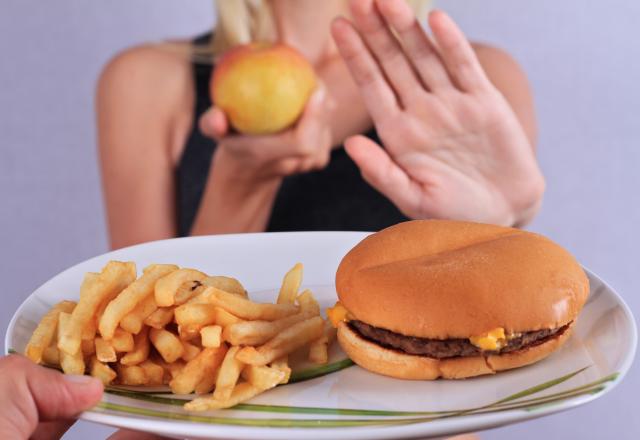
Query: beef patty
[(447, 348)]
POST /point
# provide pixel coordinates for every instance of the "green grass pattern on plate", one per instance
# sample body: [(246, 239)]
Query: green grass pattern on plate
[(271, 423), (312, 373), (511, 402)]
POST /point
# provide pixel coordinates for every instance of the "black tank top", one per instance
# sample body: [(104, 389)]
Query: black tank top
[(332, 199)]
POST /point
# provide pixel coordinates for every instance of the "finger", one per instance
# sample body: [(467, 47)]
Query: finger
[(213, 123), (376, 92), (127, 434), (286, 166), (311, 122), (458, 55), (386, 49), (59, 396), (417, 44), (314, 108), (381, 172), (32, 394)]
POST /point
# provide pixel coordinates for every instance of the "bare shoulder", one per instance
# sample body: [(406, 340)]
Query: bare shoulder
[(156, 70), (499, 64), (510, 79), (143, 91)]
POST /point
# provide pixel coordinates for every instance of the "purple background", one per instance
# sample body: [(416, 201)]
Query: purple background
[(583, 60)]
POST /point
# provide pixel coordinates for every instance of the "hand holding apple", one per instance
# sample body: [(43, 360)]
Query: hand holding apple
[(304, 147), (246, 171), (262, 88)]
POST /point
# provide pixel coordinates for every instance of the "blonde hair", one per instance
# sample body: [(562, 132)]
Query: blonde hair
[(242, 21)]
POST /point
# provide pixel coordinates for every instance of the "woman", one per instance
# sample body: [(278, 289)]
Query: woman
[(456, 122)]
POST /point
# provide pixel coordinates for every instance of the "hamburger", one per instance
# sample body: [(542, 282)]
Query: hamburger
[(434, 298)]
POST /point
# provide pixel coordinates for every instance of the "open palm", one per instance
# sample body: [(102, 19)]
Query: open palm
[(453, 146)]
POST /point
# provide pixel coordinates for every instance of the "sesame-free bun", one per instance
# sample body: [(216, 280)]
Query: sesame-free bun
[(444, 279), (396, 364)]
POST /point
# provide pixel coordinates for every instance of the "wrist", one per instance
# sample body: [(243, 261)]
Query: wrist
[(234, 200)]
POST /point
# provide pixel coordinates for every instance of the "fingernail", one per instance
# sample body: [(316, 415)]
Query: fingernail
[(79, 379)]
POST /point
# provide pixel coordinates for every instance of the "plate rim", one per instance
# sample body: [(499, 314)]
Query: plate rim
[(472, 422)]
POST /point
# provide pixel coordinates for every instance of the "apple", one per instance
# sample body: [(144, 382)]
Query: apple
[(262, 88)]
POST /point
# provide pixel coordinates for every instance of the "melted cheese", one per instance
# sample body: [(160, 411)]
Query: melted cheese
[(492, 340), (337, 314)]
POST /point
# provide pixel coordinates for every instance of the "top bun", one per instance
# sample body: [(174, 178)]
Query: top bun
[(443, 279)]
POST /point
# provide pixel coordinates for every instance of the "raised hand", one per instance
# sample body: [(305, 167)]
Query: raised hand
[(454, 147)]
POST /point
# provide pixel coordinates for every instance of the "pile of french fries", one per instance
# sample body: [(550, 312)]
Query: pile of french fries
[(197, 333)]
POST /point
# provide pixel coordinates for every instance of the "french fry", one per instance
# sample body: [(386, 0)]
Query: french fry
[(186, 291), (319, 349), (227, 284), (241, 393), (134, 320), (189, 332), (167, 344), (203, 365), (160, 318), (259, 332), (211, 336), (246, 309), (195, 314), (190, 351), (131, 375), (290, 285), (70, 363), (105, 351), (96, 288), (131, 296), (176, 367), (102, 371), (308, 303), (228, 374), (282, 364), (166, 287), (262, 377), (89, 331), (286, 342), (51, 355), (122, 341), (224, 318), (153, 372), (140, 351), (170, 370), (88, 347), (207, 384), (46, 331)]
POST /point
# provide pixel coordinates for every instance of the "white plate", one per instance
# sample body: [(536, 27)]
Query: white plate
[(350, 403)]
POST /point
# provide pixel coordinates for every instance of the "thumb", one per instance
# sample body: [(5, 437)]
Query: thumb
[(314, 108), (381, 172), (214, 123), (58, 396)]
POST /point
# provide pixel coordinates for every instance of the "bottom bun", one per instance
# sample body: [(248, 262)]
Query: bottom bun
[(378, 359)]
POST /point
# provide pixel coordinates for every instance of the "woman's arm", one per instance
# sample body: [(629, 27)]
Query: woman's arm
[(140, 97)]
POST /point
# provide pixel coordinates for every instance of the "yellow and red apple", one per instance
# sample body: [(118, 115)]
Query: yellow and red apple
[(262, 88)]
